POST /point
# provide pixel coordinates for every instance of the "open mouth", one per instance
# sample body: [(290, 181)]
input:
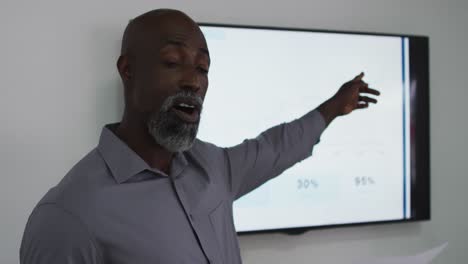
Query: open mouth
[(187, 110)]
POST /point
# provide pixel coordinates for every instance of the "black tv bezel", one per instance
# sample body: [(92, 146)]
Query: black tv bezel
[(419, 129)]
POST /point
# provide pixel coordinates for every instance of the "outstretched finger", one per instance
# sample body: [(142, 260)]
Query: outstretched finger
[(367, 99), (359, 77), (365, 89)]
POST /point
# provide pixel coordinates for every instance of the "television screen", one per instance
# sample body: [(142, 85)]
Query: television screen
[(369, 166)]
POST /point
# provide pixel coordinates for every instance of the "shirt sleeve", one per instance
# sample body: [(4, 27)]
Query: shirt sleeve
[(53, 235), (257, 160)]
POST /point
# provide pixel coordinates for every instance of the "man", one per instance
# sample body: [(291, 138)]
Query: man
[(151, 192)]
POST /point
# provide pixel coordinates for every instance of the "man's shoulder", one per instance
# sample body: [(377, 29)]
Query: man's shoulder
[(65, 213), (206, 149), (81, 184), (201, 144), (209, 155), (55, 234), (90, 171)]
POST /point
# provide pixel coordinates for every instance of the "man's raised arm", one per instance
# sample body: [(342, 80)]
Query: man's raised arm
[(257, 160)]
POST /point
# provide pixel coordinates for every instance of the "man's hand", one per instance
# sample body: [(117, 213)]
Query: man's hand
[(347, 99)]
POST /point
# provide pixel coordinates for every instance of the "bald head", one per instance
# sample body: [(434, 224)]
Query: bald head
[(153, 23)]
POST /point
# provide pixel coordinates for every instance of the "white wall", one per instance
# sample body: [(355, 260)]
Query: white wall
[(59, 85)]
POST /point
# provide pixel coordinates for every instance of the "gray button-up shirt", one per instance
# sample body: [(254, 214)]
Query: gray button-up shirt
[(113, 208)]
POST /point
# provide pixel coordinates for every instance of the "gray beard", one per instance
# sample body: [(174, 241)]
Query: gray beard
[(168, 130)]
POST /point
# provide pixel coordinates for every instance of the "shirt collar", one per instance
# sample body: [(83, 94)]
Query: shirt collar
[(124, 163)]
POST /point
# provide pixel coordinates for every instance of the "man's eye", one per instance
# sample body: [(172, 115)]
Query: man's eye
[(203, 70)]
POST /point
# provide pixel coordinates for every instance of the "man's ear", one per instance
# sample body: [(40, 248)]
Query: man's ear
[(123, 67)]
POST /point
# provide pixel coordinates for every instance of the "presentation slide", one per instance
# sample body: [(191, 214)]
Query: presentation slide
[(261, 77)]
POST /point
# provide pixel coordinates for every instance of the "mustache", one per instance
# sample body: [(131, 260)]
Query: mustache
[(182, 95)]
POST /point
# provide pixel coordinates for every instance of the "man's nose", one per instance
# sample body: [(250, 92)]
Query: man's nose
[(191, 80)]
